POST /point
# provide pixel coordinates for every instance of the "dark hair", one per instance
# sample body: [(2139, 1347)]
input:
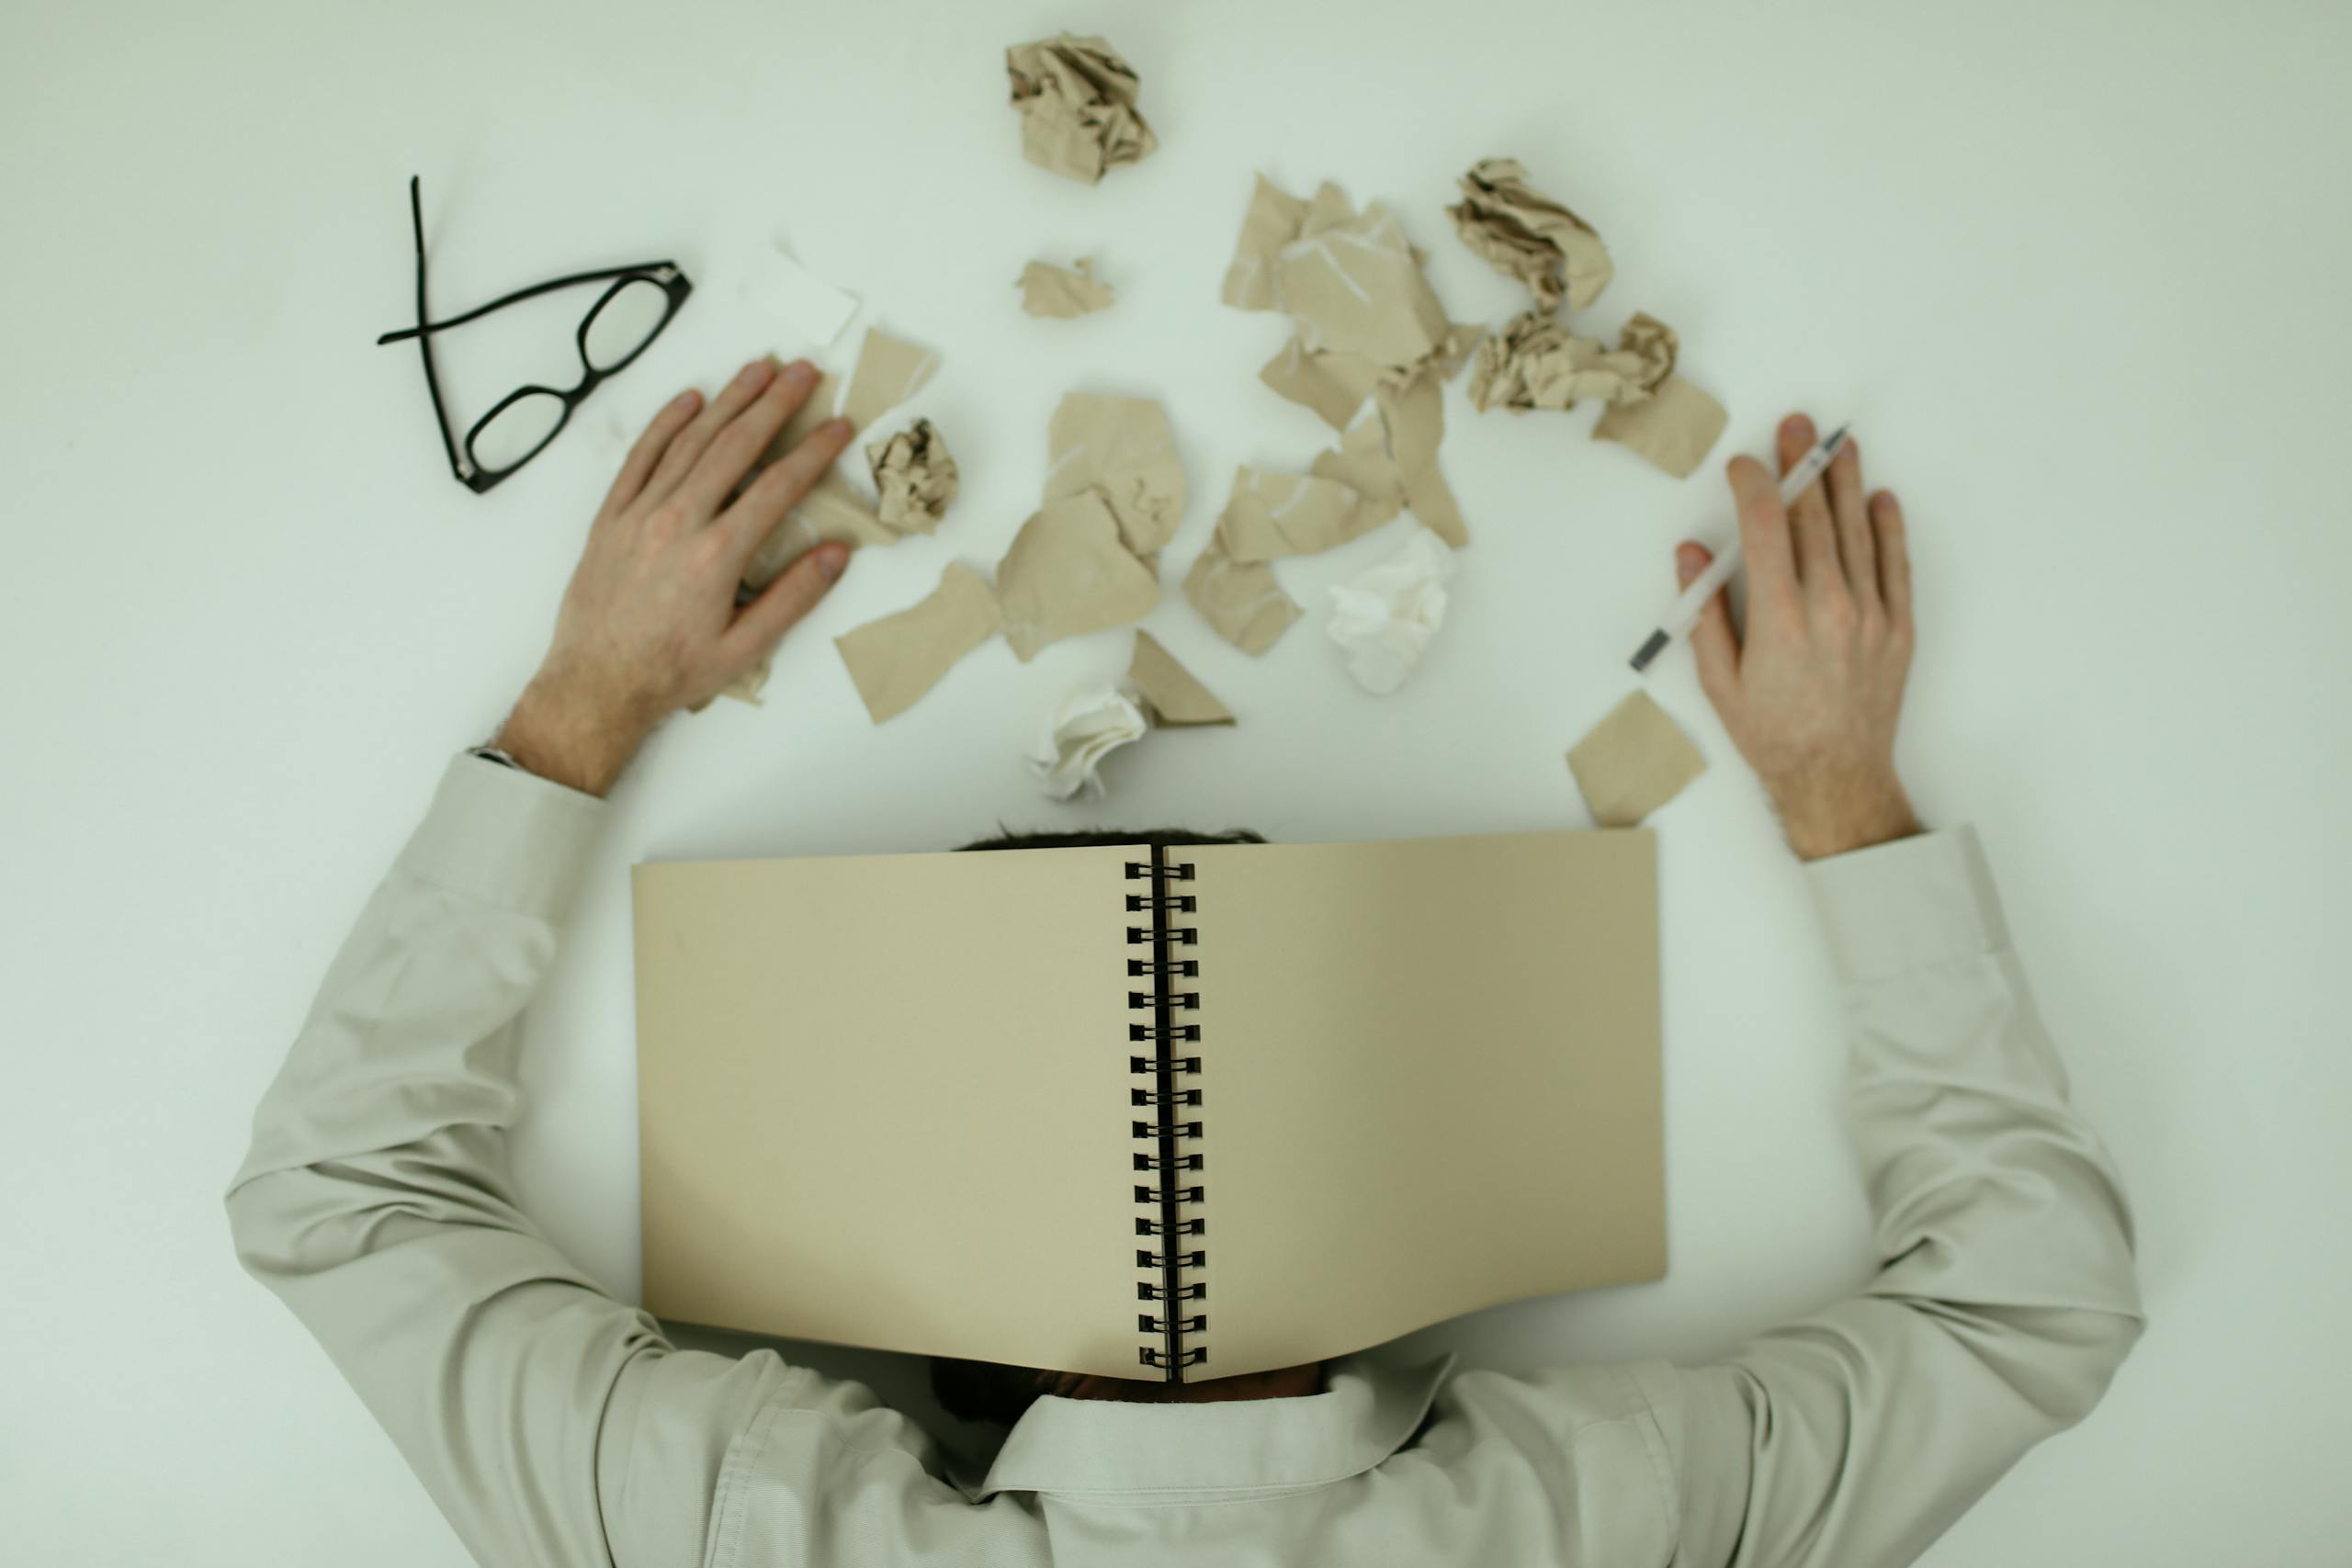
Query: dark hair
[(1104, 838), (992, 1391)]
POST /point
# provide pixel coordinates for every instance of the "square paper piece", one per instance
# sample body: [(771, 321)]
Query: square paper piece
[(1633, 762)]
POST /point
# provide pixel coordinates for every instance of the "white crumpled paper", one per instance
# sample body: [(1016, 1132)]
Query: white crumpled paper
[(1384, 618), (1086, 727)]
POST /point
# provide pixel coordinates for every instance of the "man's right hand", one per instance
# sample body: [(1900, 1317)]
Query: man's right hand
[(1811, 694)]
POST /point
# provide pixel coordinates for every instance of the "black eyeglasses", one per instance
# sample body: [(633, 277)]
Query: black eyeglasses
[(625, 319)]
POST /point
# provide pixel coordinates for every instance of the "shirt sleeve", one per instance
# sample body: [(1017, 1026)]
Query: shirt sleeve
[(548, 1422), (2006, 1297)]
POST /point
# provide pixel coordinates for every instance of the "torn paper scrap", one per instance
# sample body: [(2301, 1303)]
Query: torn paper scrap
[(814, 309), (1334, 385), (1536, 363), (814, 410), (1124, 449), (914, 477), (1363, 464), (1415, 417), (1271, 222), (1240, 599), (1271, 514), (895, 659), (1077, 99), (1354, 288), (1384, 618), (1328, 208), (1066, 574), (1170, 696), (832, 508), (1523, 234), (1459, 343), (747, 686), (830, 511), (1049, 290), (1088, 727), (890, 372), (1633, 762), (1674, 427)]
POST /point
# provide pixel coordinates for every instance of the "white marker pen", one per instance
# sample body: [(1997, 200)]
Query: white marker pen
[(1703, 587)]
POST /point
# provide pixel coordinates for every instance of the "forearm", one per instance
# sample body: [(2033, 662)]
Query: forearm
[(412, 1030), (2006, 1298), (376, 1205), (1987, 1187)]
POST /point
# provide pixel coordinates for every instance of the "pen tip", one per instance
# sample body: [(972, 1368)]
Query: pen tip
[(1836, 438), (1648, 652)]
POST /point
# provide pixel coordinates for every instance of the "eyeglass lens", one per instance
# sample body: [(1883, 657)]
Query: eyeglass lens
[(515, 431), (623, 322)]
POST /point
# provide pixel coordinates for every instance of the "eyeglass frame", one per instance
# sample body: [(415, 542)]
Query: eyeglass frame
[(469, 470)]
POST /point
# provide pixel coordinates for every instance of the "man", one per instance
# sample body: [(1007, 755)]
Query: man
[(554, 1426)]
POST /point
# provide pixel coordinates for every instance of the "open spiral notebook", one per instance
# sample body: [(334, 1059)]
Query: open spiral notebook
[(1168, 1114)]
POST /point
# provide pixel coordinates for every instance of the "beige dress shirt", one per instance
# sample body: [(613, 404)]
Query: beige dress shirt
[(554, 1425)]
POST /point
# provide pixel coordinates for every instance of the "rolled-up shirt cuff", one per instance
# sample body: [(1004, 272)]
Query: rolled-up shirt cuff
[(1909, 904), (506, 836)]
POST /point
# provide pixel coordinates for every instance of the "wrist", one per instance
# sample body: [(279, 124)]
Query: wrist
[(564, 736), (1836, 816)]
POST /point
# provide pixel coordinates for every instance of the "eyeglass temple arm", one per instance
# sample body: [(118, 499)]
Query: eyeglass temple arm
[(424, 346), (536, 288)]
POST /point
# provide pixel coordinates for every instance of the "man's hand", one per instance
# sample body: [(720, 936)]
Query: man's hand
[(649, 623), (1812, 695)]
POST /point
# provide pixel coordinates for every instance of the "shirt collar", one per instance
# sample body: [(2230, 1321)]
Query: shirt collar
[(1108, 1447)]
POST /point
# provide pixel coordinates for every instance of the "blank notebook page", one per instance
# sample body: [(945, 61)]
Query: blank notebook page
[(1430, 1083), (883, 1101)]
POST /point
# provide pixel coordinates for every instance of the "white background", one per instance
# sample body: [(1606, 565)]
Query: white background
[(2076, 271)]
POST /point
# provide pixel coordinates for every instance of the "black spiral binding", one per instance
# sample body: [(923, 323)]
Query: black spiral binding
[(1162, 1200)]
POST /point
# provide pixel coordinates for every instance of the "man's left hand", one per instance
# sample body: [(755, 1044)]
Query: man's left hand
[(649, 622)]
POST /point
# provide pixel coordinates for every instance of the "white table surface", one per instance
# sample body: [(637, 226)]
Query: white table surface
[(2076, 273)]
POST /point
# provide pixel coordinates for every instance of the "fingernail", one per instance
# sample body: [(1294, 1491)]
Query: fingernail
[(839, 427), (757, 371), (687, 399), (799, 372), (831, 559)]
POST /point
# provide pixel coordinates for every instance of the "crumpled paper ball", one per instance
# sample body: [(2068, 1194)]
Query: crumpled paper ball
[(1384, 618), (1088, 727)]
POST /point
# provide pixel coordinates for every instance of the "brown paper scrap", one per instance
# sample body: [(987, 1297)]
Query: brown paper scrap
[(1330, 208), (1414, 415), (1057, 291), (1124, 449), (1240, 599), (1334, 385), (895, 659), (915, 476), (1169, 692), (1523, 234), (1363, 464), (1353, 288), (1077, 99), (890, 372), (1633, 762), (1271, 514), (1536, 363), (813, 411), (831, 510), (1673, 428), (1069, 573), (1271, 222), (1459, 345)]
